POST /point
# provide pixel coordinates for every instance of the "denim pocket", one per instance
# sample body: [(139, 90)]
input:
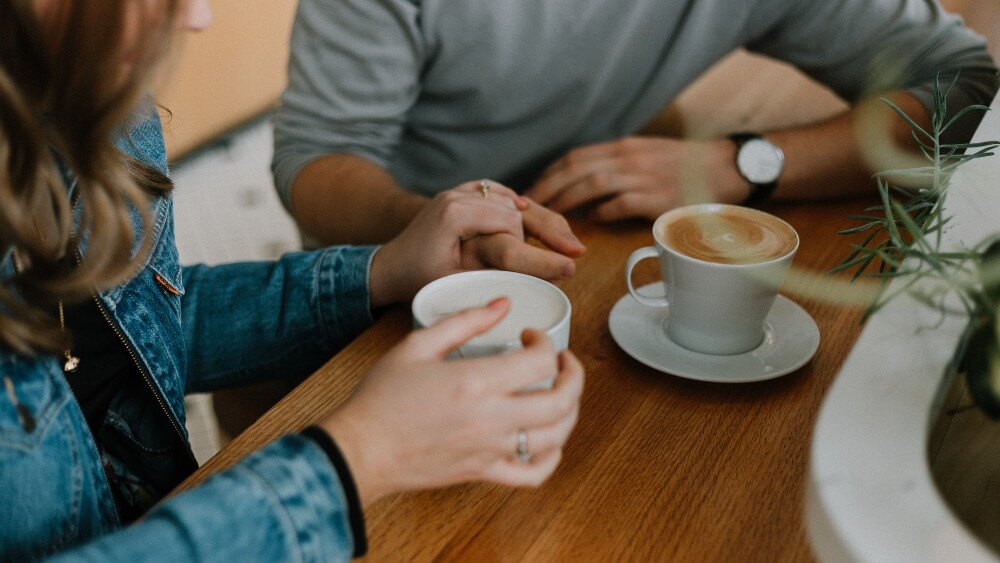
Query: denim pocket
[(43, 470), (28, 403)]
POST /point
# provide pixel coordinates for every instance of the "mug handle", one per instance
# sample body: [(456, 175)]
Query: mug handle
[(636, 257)]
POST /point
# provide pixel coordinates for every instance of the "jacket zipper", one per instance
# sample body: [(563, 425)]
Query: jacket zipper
[(135, 361), (25, 415), (131, 353), (142, 371)]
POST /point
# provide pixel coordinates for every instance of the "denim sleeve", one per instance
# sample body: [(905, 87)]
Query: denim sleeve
[(865, 47), (282, 503), (248, 322)]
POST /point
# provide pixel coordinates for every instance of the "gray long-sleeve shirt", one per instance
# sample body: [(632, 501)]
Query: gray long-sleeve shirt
[(443, 91)]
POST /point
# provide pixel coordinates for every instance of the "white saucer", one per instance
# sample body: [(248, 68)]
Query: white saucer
[(791, 338)]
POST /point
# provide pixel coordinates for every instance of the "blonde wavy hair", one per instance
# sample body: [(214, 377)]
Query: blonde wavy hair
[(69, 82)]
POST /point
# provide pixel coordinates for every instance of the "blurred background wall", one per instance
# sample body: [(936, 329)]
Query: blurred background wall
[(232, 72)]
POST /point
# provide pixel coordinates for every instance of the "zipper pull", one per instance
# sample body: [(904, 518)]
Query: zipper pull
[(23, 414)]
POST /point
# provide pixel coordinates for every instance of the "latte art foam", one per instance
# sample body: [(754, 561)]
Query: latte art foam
[(730, 235)]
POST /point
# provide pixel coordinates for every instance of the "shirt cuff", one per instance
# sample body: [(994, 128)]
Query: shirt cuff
[(355, 513)]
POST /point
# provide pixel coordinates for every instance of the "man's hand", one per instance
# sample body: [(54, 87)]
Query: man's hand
[(641, 177)]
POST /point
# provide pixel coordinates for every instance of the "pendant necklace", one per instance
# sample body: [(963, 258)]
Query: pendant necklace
[(72, 362)]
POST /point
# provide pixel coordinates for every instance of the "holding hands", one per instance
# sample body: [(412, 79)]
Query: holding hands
[(472, 227)]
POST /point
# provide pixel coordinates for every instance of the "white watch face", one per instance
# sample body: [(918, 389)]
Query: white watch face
[(760, 161)]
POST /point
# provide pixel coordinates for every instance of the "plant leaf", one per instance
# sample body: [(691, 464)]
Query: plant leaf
[(860, 229), (891, 223), (909, 121)]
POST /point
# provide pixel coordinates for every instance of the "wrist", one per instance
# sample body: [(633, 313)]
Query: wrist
[(401, 207), (383, 285), (369, 479), (727, 184)]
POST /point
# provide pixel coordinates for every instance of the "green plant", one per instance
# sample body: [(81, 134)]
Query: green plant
[(902, 240)]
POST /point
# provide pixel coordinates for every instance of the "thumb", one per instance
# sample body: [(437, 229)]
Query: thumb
[(453, 331)]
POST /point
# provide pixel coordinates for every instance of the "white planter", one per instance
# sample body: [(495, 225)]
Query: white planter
[(870, 495)]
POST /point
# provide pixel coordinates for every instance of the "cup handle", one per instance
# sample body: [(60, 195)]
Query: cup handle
[(635, 258)]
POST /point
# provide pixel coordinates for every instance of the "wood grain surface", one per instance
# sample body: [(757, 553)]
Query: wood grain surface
[(659, 467)]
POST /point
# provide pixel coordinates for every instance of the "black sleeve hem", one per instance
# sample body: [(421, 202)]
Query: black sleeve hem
[(355, 513)]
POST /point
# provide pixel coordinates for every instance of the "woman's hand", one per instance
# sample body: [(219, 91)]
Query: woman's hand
[(417, 421), (461, 230)]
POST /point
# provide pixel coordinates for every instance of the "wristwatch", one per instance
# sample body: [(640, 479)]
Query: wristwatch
[(760, 162)]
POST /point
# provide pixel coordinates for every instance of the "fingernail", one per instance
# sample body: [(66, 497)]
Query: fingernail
[(568, 270), (497, 303), (530, 335)]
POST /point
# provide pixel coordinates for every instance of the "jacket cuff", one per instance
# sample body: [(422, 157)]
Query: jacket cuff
[(311, 496), (355, 511), (344, 297)]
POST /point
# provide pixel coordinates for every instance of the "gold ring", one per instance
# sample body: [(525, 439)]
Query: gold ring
[(484, 187)]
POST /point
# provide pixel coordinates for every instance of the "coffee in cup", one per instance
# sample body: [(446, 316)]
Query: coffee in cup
[(722, 266), (728, 235), (534, 303)]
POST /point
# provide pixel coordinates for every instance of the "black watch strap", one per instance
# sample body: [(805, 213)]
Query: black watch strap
[(759, 193)]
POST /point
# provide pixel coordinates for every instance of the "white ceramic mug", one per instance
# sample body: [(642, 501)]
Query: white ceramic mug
[(714, 308), (534, 303)]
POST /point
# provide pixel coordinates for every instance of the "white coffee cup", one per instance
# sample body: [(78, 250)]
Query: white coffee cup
[(534, 303), (714, 307)]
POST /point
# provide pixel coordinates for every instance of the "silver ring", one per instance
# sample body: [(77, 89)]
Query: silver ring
[(522, 446), (484, 187)]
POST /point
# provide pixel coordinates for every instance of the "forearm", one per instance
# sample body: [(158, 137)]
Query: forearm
[(246, 322), (837, 158), (346, 199), (861, 47)]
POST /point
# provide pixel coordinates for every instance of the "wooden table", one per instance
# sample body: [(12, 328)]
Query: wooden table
[(658, 468)]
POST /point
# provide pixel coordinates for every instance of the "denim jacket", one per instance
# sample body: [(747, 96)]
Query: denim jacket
[(188, 329)]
